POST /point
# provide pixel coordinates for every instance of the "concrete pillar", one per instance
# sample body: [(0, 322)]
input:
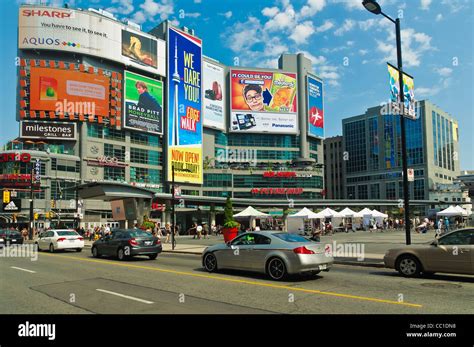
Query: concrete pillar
[(302, 112), (213, 214)]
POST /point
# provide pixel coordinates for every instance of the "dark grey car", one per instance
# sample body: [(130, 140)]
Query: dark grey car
[(125, 243), (10, 237)]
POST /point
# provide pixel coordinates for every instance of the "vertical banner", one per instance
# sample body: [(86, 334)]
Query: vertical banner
[(408, 91), (184, 107), (214, 91), (315, 107)]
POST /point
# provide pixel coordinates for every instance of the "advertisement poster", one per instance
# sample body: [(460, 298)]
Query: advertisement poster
[(143, 109), (315, 107), (213, 91), (389, 142), (263, 101), (408, 90), (85, 32), (47, 130), (184, 107), (68, 91)]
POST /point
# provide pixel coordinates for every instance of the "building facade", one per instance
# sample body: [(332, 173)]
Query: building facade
[(334, 168), (372, 142)]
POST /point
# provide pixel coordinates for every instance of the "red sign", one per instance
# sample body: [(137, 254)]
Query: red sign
[(46, 13), (283, 174), (157, 207), (277, 191), (16, 180), (9, 157)]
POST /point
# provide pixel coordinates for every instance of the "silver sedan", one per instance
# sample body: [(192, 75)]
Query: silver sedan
[(274, 253)]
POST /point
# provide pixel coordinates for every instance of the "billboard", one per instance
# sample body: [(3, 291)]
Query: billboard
[(263, 101), (315, 107), (214, 91), (184, 107), (143, 103), (47, 130), (69, 91), (85, 32), (408, 90)]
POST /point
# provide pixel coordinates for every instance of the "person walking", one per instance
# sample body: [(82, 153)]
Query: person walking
[(446, 224), (167, 233), (199, 231), (205, 230)]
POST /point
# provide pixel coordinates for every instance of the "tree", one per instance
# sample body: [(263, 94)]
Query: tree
[(229, 221)]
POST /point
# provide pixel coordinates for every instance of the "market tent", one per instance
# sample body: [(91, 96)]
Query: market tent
[(305, 213), (451, 211), (251, 212), (463, 211), (329, 213), (366, 212), (377, 214), (348, 213)]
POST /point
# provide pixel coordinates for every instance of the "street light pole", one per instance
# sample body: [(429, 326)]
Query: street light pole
[(31, 202), (373, 7), (173, 215)]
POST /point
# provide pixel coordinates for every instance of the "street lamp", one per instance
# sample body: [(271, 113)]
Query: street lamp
[(373, 7)]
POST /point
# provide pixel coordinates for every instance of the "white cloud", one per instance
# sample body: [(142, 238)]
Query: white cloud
[(327, 25), (270, 11), (439, 17), (348, 25), (151, 8), (456, 5), (139, 17), (243, 35), (282, 20), (227, 14), (302, 32), (192, 14), (124, 7), (363, 52), (425, 4), (312, 7), (444, 71)]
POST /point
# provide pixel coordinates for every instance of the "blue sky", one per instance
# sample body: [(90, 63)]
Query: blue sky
[(347, 45)]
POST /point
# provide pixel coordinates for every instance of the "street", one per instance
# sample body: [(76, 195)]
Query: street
[(70, 282)]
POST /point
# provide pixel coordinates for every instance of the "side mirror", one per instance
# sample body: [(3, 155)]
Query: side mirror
[(228, 243)]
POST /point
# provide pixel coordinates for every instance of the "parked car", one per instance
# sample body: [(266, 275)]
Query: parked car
[(60, 239), (451, 253), (125, 243), (10, 237), (274, 253)]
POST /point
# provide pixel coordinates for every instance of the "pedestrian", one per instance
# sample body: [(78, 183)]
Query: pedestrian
[(214, 229), (167, 232), (199, 231), (205, 230), (446, 224)]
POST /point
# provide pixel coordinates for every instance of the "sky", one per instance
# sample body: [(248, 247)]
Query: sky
[(348, 47)]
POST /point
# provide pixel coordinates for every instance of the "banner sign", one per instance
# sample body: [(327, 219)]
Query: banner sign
[(315, 107), (47, 130), (69, 91), (263, 101), (85, 32), (184, 107), (143, 109), (17, 156), (214, 91), (408, 91), (13, 206), (277, 191)]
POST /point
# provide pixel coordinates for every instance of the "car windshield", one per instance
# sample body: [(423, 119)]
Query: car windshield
[(13, 233), (67, 233), (139, 233), (291, 237)]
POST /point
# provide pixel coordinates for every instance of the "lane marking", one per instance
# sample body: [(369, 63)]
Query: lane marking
[(125, 296), (19, 268), (232, 280)]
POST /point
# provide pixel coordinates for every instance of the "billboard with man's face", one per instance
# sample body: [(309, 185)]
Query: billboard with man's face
[(263, 101)]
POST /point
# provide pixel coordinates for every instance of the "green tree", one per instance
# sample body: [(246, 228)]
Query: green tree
[(229, 221)]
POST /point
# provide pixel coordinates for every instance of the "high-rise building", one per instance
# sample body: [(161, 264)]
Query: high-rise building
[(374, 153), (334, 168)]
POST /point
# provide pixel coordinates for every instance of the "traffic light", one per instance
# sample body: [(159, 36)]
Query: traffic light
[(36, 216), (53, 204), (6, 196)]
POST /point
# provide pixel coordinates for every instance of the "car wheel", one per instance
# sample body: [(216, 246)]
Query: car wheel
[(408, 266), (210, 262), (51, 248), (95, 252), (153, 256), (78, 250), (121, 254), (315, 273), (276, 269)]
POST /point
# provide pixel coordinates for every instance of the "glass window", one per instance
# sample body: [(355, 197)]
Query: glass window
[(114, 173), (290, 237), (245, 239), (67, 233), (114, 151), (355, 135), (458, 238)]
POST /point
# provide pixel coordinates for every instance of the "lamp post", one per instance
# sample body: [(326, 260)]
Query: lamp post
[(373, 7), (173, 213), (31, 202)]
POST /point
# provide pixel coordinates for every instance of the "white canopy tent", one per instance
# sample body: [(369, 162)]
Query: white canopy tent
[(305, 213), (366, 212), (377, 214), (451, 211), (329, 213), (463, 211), (348, 213), (251, 214)]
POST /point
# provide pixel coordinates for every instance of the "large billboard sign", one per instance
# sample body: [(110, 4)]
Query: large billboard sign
[(48, 130), (214, 92), (85, 32), (184, 107), (54, 89), (315, 107), (408, 91), (263, 101), (143, 108)]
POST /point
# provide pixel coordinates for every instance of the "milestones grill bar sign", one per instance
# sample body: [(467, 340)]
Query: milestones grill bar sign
[(47, 130)]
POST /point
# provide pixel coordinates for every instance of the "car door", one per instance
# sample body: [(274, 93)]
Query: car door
[(107, 243), (256, 254), (231, 257), (453, 253), (242, 250), (46, 240)]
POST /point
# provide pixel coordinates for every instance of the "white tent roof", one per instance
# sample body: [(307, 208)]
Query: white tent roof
[(366, 212), (305, 213), (460, 209), (348, 213), (451, 211), (329, 213), (250, 212), (376, 213)]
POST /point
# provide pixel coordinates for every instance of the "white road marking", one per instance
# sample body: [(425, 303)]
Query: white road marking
[(19, 268), (126, 296)]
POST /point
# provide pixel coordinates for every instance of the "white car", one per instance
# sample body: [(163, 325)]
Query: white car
[(60, 239)]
